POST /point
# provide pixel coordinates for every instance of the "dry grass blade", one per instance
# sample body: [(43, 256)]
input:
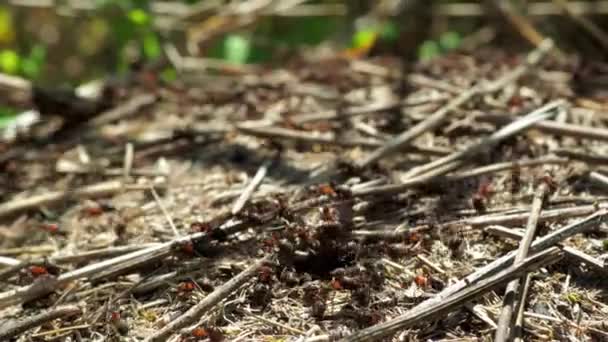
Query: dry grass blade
[(439, 116), (219, 294), (432, 311), (12, 328), (504, 321)]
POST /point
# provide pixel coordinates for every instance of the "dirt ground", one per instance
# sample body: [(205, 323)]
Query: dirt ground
[(253, 204)]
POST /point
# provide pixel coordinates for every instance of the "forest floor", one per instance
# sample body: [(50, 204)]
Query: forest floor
[(328, 199)]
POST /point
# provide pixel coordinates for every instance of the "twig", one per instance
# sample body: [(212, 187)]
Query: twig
[(570, 252), (517, 329), (432, 170), (487, 143), (12, 328), (89, 191), (493, 267), (425, 313), (484, 170), (74, 258), (439, 116), (540, 9), (554, 127), (6, 261), (580, 155), (47, 285), (246, 194), (599, 178), (275, 323), (504, 321), (123, 111), (165, 212), (128, 161), (195, 312), (102, 189), (427, 262)]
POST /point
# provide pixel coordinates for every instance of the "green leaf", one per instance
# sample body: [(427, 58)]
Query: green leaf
[(9, 61), (7, 115), (139, 17), (38, 53), (428, 50), (152, 47), (450, 40), (389, 31), (168, 75), (30, 68), (364, 38), (7, 30), (236, 49)]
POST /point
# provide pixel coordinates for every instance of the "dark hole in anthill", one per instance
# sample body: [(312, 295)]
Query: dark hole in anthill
[(324, 261)]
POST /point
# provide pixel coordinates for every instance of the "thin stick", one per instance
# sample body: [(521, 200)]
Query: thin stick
[(47, 285), (554, 127), (94, 190), (599, 178), (491, 268), (6, 261), (198, 310), (89, 191), (128, 162), (498, 167), (123, 111), (435, 119), (517, 126), (430, 171), (165, 212), (12, 328), (246, 194), (437, 308), (516, 332), (570, 252), (504, 321), (427, 262)]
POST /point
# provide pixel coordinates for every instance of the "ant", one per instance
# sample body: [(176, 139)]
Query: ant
[(484, 191)]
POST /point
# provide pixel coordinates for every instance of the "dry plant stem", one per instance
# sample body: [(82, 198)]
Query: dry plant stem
[(123, 111), (540, 8), (580, 155), (90, 191), (255, 182), (570, 252), (439, 116), (442, 166), (162, 207), (6, 261), (504, 320), (12, 328), (436, 308), (498, 167), (198, 310), (46, 285), (363, 110), (474, 278), (554, 127), (290, 134), (487, 143), (517, 329), (599, 179), (72, 258)]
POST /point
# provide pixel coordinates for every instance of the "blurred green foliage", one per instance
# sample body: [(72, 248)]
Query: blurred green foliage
[(90, 44)]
